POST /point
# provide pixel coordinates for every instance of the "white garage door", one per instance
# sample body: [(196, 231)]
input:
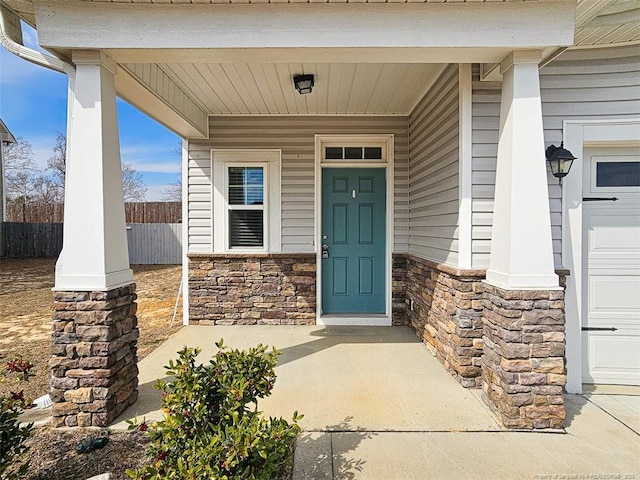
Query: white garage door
[(611, 266)]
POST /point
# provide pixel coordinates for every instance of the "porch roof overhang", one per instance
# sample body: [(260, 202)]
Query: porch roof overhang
[(100, 25), (5, 136), (184, 61)]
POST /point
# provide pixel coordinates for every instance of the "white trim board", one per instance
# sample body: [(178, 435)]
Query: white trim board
[(354, 320), (577, 135), (465, 165), (185, 231), (387, 141), (314, 25)]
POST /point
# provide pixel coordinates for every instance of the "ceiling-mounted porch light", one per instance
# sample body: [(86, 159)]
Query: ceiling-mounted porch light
[(303, 83), (560, 160)]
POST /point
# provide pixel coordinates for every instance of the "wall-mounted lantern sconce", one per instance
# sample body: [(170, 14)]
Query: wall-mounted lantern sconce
[(303, 83), (560, 160)]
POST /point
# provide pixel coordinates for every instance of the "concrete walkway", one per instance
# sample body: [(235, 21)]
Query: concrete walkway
[(596, 446), (378, 406)]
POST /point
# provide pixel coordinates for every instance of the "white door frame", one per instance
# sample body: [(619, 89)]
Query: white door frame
[(578, 135), (387, 143)]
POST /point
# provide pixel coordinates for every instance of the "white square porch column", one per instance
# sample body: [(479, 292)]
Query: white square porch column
[(521, 246), (94, 371), (95, 254), (523, 372)]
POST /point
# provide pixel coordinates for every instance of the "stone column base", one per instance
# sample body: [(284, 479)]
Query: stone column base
[(523, 368), (94, 365)]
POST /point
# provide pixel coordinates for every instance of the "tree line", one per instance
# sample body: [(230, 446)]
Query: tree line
[(26, 183)]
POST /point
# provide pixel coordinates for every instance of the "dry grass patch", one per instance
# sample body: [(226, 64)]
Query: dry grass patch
[(26, 303)]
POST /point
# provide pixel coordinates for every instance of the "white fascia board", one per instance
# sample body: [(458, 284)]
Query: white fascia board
[(142, 97), (101, 25), (443, 55)]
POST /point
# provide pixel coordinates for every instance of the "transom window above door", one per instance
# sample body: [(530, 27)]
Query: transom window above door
[(362, 152)]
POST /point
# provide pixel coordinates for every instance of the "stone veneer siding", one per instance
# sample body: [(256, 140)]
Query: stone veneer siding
[(279, 289), (94, 363), (523, 365), (447, 315), (248, 289), (399, 290)]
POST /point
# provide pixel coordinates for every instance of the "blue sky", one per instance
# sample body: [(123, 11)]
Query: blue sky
[(33, 105)]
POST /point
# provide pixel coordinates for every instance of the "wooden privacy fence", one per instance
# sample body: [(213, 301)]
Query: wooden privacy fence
[(153, 212), (135, 212), (32, 239), (149, 243)]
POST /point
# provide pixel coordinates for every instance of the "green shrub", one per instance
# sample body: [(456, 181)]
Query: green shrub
[(12, 435), (212, 428)]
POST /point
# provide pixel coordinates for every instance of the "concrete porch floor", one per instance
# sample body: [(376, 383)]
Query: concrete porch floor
[(340, 378), (378, 406)]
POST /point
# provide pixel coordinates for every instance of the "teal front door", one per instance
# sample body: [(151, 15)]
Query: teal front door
[(353, 240)]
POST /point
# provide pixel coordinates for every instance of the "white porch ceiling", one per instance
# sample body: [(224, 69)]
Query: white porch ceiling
[(340, 88), (181, 86)]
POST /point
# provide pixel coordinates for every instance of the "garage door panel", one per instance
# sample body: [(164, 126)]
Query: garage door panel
[(613, 234), (611, 261), (615, 295), (614, 357), (626, 264)]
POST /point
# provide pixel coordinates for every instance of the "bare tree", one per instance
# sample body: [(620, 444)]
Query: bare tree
[(172, 192), (133, 185), (47, 190), (57, 163), (20, 171)]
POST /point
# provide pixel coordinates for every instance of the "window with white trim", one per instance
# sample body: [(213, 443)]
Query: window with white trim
[(245, 204), (246, 200), (617, 174), (614, 171)]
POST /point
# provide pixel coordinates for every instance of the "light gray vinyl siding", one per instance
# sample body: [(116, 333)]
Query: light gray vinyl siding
[(594, 84), (295, 137), (580, 84), (434, 172)]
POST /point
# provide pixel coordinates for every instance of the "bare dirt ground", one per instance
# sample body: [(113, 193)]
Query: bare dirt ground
[(53, 455), (26, 303)]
